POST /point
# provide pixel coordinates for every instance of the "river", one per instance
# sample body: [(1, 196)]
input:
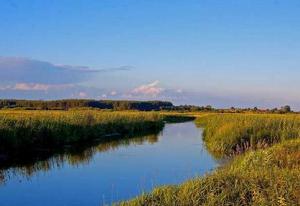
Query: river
[(109, 172)]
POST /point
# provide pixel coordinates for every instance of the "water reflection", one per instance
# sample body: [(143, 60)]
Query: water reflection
[(73, 156), (107, 172)]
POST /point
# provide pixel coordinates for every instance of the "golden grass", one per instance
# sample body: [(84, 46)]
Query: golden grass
[(26, 130), (260, 175)]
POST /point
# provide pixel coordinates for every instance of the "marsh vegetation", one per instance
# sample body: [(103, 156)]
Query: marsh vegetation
[(265, 166), (109, 171), (29, 131), (264, 151), (227, 134)]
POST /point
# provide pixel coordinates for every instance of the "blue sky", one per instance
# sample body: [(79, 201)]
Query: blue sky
[(224, 53)]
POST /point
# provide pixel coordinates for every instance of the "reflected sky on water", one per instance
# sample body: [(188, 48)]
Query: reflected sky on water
[(109, 172)]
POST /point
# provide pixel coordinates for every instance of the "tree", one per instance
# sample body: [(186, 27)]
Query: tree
[(286, 109), (209, 108)]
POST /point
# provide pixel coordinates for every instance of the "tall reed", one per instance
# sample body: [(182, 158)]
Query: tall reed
[(226, 134), (28, 130), (268, 175)]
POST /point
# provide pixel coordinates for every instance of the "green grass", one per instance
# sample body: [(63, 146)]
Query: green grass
[(227, 134), (260, 175), (28, 130), (263, 177)]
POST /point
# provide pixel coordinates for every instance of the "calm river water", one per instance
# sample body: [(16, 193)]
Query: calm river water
[(109, 172)]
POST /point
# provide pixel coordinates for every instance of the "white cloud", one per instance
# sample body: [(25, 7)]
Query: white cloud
[(113, 93), (31, 87), (6, 87), (179, 91), (34, 87), (151, 89), (82, 95)]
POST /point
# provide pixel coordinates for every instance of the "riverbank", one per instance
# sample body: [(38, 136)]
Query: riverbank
[(38, 131), (109, 171), (265, 169), (229, 134)]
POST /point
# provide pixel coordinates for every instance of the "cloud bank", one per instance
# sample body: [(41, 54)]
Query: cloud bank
[(34, 79), (34, 87), (24, 70), (25, 78)]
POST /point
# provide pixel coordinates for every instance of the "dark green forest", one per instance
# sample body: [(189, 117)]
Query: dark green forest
[(79, 103)]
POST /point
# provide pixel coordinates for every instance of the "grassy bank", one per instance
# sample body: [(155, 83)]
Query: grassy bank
[(227, 134), (264, 177), (268, 175), (31, 130)]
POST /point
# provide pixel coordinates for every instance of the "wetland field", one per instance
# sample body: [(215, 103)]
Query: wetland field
[(95, 157)]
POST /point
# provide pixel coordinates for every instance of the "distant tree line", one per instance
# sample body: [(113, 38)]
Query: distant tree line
[(283, 110), (192, 108), (67, 104), (79, 103)]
